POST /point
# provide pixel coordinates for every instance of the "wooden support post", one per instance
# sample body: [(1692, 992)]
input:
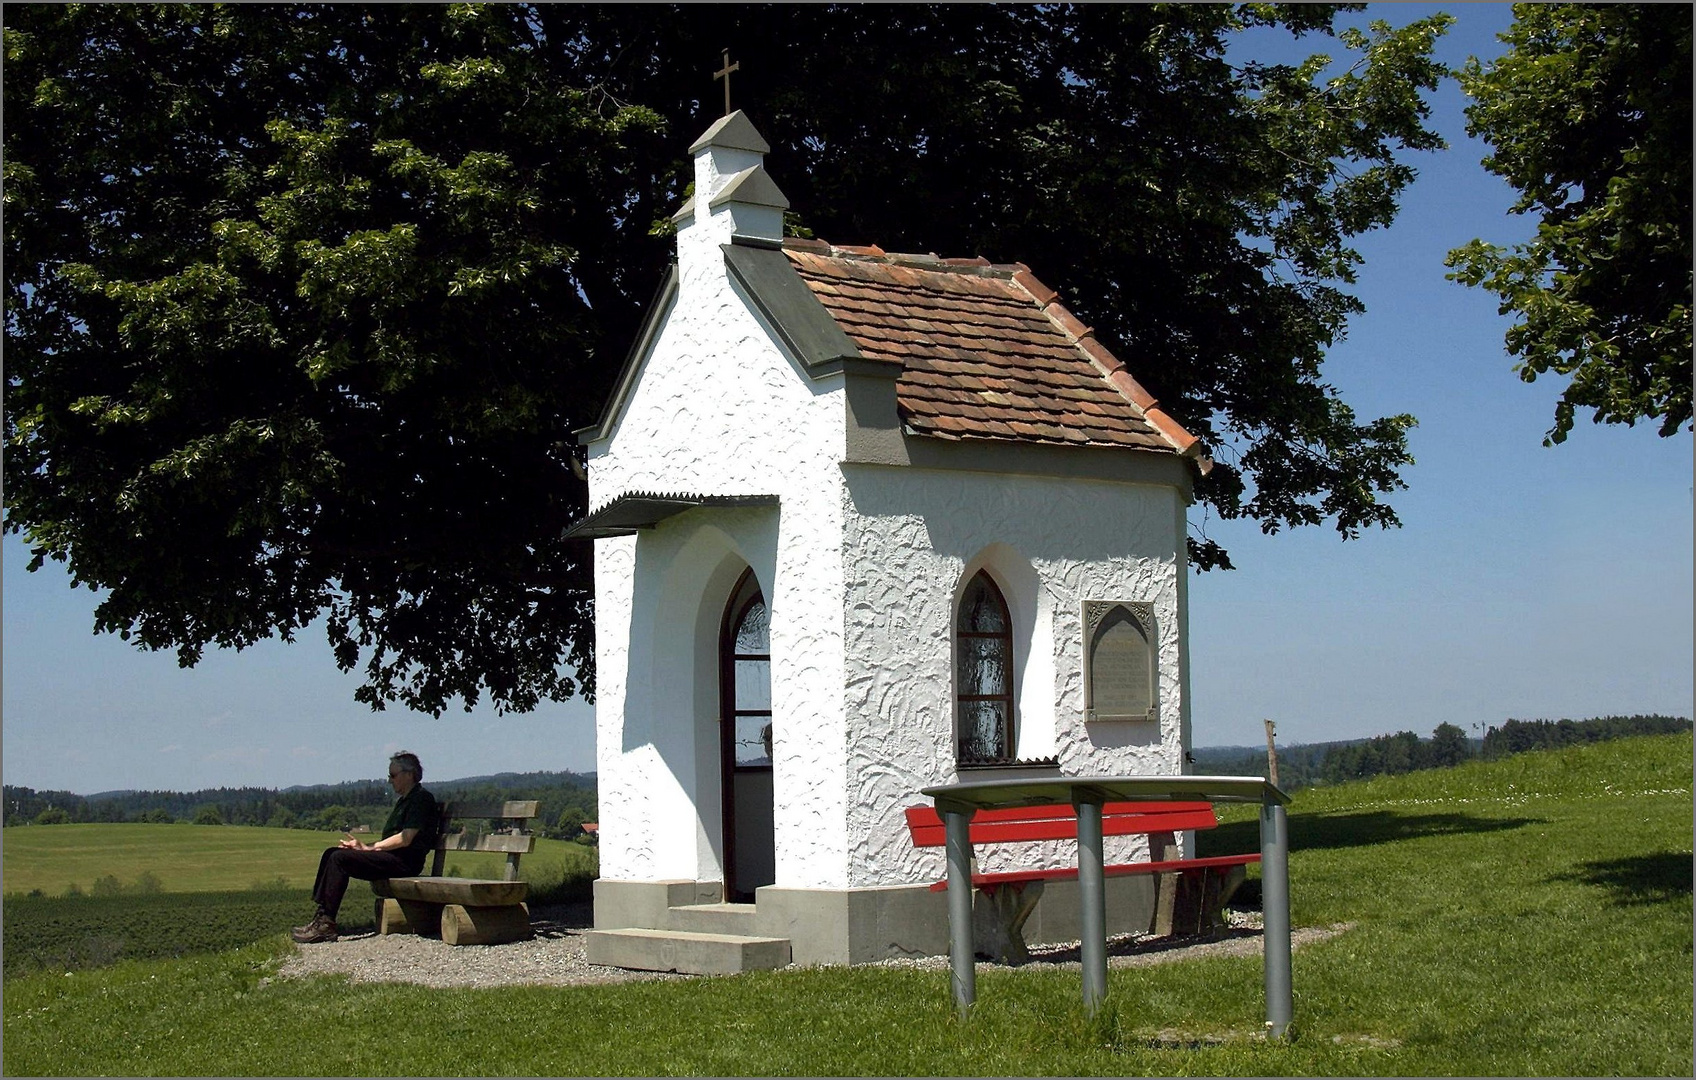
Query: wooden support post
[(1271, 754), (408, 917), (462, 925), (390, 919), (999, 918), (1189, 902), (1165, 904), (422, 916)]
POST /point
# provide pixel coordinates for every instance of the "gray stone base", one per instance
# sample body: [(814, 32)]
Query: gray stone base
[(643, 904), (858, 926), (855, 926)]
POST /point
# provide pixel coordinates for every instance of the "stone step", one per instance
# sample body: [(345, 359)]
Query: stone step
[(684, 951), (714, 919)]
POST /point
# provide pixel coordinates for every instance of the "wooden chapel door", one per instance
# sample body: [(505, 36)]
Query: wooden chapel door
[(750, 835)]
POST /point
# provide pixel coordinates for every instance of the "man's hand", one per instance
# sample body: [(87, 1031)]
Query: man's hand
[(357, 845)]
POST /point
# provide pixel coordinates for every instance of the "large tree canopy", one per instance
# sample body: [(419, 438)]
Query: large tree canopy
[(1588, 115), (303, 302)]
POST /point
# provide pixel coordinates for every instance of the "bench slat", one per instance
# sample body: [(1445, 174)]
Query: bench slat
[(472, 892), (1022, 824), (460, 841), (516, 809), (513, 845), (1069, 873), (927, 815)]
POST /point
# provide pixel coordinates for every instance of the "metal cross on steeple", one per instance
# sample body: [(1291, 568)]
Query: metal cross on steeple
[(724, 73)]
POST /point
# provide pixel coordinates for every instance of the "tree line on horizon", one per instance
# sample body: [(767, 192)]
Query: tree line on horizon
[(567, 801), (1316, 764)]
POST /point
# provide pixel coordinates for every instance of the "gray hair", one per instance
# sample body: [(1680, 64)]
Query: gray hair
[(408, 762)]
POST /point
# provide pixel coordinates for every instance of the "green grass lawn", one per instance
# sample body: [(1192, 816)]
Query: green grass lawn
[(1524, 917), (220, 858)]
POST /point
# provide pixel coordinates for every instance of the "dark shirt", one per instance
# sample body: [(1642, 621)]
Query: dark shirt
[(414, 810)]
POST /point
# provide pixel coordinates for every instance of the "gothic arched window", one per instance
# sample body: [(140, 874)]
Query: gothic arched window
[(983, 674), (746, 656)]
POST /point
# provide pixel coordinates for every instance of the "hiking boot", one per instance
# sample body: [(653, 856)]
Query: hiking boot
[(317, 917), (319, 929)]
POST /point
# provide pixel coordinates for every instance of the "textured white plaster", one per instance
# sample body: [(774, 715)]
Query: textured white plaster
[(912, 538), (624, 831), (717, 409)]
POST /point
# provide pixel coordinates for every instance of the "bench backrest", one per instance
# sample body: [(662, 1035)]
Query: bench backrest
[(1026, 823), (514, 841)]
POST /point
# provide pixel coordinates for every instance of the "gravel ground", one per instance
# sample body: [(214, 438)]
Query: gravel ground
[(555, 956)]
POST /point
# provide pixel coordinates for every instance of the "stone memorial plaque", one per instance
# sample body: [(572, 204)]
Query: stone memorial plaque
[(1119, 661)]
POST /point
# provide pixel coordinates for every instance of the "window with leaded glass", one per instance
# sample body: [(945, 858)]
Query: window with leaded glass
[(983, 674), (748, 657)]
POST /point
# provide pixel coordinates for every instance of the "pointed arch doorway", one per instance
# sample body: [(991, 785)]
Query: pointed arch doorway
[(745, 742)]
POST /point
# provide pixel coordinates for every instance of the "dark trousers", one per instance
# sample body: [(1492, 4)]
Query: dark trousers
[(339, 864)]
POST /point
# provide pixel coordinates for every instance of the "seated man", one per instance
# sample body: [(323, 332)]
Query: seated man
[(408, 836)]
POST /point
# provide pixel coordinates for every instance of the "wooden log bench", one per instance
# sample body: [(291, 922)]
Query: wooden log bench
[(1190, 897), (465, 911)]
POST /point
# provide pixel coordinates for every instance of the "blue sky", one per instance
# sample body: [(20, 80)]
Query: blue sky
[(1525, 582)]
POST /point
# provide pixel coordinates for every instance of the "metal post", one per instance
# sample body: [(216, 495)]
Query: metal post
[(961, 950), (1092, 901), (1275, 907)]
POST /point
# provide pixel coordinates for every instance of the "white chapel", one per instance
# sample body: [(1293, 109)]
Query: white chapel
[(864, 523)]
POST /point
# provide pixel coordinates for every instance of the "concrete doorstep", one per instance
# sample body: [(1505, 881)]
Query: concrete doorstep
[(739, 920), (685, 951)]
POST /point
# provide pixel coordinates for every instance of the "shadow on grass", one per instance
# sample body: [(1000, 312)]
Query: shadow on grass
[(1363, 829), (1641, 879), (577, 889), (1125, 945)]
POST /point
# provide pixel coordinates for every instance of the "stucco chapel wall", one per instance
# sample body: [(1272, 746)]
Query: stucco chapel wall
[(911, 538), (718, 409)]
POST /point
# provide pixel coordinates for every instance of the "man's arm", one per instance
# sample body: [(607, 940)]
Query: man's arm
[(388, 843)]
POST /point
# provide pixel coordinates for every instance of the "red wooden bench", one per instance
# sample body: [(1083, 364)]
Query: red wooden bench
[(1192, 893)]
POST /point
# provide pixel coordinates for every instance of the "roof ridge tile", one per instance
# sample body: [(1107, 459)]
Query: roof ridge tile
[(1068, 322), (1027, 281)]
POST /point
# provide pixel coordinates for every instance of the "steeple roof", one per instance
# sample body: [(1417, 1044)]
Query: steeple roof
[(733, 132)]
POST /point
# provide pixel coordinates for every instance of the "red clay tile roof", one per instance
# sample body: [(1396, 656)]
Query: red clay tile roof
[(989, 352)]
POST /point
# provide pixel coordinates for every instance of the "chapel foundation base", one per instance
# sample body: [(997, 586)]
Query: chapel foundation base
[(863, 925)]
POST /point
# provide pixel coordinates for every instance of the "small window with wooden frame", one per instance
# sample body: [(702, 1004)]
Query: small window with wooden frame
[(983, 675)]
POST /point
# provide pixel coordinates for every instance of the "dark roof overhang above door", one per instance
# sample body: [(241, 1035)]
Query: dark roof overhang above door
[(637, 510)]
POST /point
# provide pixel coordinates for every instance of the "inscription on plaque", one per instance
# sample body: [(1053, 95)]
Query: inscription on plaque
[(1119, 667)]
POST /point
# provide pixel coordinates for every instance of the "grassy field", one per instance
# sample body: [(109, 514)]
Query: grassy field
[(155, 891), (218, 858), (1524, 917)]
